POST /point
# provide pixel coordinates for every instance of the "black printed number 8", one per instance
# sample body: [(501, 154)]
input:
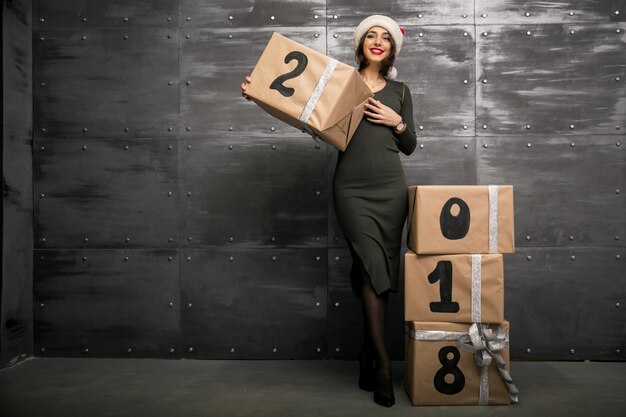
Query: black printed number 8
[(277, 84), (449, 367)]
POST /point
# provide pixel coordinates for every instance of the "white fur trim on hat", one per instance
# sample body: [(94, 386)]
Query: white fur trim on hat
[(382, 21)]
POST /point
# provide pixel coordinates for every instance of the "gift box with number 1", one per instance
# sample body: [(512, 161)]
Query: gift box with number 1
[(309, 90)]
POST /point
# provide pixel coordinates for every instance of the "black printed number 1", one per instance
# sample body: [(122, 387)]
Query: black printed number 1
[(443, 274), (277, 84), (449, 367)]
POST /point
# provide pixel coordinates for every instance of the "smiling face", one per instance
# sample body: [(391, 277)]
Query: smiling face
[(377, 44)]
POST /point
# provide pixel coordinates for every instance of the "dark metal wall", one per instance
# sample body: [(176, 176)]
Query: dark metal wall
[(16, 316), (175, 219)]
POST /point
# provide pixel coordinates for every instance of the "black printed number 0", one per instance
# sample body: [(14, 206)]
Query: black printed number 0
[(449, 367), (454, 227), (277, 84)]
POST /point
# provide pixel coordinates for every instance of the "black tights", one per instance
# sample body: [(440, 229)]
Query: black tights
[(374, 349)]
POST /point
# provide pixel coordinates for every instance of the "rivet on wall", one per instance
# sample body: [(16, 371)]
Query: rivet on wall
[(529, 145), (527, 14), (529, 258), (571, 32), (465, 128), (464, 15), (232, 350)]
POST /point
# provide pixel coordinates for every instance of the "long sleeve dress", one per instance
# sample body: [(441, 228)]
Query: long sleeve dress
[(370, 192)]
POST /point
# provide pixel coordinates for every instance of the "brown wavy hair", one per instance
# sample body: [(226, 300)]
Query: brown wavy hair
[(386, 63)]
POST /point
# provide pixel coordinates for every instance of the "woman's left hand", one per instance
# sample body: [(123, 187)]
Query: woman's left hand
[(378, 113)]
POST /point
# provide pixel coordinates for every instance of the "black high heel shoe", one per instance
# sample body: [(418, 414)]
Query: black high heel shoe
[(386, 400), (384, 397)]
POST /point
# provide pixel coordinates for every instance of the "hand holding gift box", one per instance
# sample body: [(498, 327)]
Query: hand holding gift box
[(308, 90)]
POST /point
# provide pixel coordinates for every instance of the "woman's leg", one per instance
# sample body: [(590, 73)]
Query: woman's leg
[(374, 308)]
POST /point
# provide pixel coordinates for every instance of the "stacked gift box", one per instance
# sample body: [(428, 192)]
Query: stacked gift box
[(456, 349)]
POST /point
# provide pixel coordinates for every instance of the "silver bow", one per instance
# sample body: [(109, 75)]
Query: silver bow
[(485, 343)]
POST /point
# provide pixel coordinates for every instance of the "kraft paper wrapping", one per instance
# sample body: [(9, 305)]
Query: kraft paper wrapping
[(422, 364), (434, 229), (477, 283), (326, 99)]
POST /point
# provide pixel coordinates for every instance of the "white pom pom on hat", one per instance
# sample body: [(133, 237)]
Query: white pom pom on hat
[(387, 23)]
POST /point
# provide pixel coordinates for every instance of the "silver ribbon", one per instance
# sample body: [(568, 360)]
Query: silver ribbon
[(476, 288), (315, 96), (493, 219), (432, 335), (485, 343)]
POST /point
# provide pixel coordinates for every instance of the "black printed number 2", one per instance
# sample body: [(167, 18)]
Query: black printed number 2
[(449, 367), (277, 84), (443, 274)]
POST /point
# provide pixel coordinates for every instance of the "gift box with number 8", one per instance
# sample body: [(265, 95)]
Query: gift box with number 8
[(309, 90), (458, 364)]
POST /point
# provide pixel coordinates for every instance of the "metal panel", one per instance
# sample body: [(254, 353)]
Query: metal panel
[(253, 303), (546, 78), (16, 312), (252, 13), (557, 303), (343, 13), (49, 14), (253, 191), (105, 195), (511, 12), (103, 303), (436, 63), (107, 82), (564, 194), (213, 64)]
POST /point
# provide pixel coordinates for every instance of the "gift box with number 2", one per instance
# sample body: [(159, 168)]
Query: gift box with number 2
[(309, 90)]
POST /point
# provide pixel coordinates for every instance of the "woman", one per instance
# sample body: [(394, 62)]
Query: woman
[(370, 193)]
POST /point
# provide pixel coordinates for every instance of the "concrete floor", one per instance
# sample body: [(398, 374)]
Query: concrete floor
[(146, 387)]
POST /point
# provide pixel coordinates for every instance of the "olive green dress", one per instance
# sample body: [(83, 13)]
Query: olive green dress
[(370, 191)]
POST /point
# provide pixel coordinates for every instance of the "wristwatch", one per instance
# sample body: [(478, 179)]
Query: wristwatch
[(400, 128)]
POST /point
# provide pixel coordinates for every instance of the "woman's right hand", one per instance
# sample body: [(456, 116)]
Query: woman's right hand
[(247, 80)]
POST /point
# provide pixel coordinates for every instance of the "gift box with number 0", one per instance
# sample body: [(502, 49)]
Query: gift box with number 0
[(309, 90), (458, 364), (467, 288), (461, 219)]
